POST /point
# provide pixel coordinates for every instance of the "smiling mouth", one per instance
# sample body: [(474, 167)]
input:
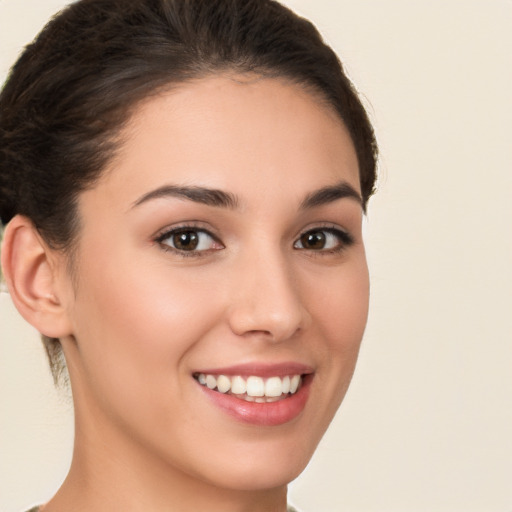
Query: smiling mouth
[(252, 388)]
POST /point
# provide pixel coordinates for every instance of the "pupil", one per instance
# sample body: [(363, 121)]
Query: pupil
[(186, 240), (314, 240)]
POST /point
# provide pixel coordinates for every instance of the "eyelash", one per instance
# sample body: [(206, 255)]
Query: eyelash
[(344, 240), (188, 228)]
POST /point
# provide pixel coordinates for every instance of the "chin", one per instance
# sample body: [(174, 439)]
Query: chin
[(251, 477), (262, 465)]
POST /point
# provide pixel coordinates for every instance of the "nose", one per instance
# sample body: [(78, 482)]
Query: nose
[(266, 300)]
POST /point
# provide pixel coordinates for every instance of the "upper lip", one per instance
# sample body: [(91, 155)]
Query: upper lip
[(261, 370)]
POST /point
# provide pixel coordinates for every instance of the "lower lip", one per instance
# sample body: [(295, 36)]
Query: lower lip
[(262, 414)]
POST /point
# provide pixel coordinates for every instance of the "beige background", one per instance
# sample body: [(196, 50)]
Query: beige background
[(427, 424)]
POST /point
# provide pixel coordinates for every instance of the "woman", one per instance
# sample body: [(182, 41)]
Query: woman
[(183, 184)]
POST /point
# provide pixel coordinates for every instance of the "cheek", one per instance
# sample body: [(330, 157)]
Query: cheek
[(139, 319), (341, 310), (341, 307)]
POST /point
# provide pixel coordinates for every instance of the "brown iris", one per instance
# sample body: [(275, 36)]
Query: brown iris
[(185, 240), (313, 240)]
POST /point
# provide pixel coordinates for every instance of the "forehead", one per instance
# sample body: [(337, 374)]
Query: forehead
[(239, 133)]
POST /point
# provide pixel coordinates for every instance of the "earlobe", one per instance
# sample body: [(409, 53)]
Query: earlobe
[(31, 275)]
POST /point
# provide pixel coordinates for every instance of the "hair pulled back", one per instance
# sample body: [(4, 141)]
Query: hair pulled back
[(73, 89)]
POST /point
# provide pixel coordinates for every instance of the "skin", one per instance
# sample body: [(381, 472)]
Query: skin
[(141, 318)]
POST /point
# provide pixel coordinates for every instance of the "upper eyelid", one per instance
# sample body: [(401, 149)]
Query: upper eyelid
[(192, 226), (326, 226), (329, 229)]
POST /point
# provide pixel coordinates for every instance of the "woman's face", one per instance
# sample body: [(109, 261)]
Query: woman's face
[(220, 259)]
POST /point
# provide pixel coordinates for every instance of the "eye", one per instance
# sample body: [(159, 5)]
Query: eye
[(188, 239), (326, 239)]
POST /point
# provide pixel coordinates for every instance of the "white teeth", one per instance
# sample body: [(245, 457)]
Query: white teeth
[(223, 383), (253, 388), (294, 383), (273, 387), (286, 385), (238, 386), (211, 381)]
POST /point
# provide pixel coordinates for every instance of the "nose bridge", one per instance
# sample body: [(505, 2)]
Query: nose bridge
[(266, 299)]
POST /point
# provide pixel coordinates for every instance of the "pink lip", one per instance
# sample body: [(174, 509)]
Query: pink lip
[(262, 414)]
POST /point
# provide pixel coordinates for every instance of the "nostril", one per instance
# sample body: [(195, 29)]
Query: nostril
[(278, 329)]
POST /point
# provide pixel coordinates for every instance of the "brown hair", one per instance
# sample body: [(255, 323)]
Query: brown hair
[(75, 86)]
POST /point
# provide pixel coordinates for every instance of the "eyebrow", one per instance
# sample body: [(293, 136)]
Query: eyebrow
[(221, 199), (329, 194), (203, 195)]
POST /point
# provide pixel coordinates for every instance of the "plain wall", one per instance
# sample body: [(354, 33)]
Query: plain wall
[(427, 423)]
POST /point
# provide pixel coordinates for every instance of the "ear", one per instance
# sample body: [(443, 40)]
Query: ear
[(34, 276)]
